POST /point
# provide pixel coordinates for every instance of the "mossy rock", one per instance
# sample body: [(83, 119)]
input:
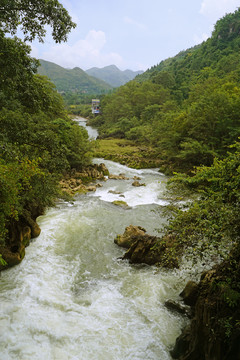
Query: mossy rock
[(26, 233), (121, 203)]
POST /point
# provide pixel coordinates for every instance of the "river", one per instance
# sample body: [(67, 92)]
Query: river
[(72, 298)]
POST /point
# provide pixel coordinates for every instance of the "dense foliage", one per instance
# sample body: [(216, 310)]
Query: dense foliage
[(32, 15), (210, 227), (188, 106), (38, 142), (213, 220)]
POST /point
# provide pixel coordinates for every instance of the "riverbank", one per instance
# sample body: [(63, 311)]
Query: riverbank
[(214, 329), (71, 297), (127, 153), (22, 230)]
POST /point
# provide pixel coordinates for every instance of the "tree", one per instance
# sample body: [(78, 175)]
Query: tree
[(38, 142), (210, 223), (17, 69), (33, 15)]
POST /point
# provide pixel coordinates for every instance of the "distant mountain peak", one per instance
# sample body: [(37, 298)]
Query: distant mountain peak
[(112, 75), (111, 67)]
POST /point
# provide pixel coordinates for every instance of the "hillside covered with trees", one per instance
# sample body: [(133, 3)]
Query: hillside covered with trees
[(72, 80), (38, 142), (187, 107)]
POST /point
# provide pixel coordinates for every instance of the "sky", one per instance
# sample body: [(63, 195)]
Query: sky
[(132, 34)]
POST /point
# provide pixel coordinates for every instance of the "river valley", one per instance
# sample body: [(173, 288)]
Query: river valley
[(72, 298)]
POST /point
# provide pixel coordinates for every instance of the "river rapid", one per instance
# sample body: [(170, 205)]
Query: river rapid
[(72, 298)]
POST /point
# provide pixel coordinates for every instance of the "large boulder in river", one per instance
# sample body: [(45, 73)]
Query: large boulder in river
[(129, 236), (142, 250)]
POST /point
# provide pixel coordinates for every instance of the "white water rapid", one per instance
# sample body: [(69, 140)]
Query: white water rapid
[(71, 298)]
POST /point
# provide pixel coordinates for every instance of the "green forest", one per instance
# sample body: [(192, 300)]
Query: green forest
[(187, 108), (38, 141)]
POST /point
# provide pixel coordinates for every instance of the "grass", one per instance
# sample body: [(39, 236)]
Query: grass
[(126, 153)]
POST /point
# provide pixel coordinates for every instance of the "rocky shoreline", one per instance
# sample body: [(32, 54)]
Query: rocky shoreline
[(21, 231), (82, 181), (214, 329), (24, 229)]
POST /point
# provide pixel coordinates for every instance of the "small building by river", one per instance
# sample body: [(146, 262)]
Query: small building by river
[(95, 106)]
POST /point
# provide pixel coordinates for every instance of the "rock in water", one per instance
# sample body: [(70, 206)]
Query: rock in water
[(118, 177), (121, 203), (141, 251), (144, 248), (128, 237), (137, 183)]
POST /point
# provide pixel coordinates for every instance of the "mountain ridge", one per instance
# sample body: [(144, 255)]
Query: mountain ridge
[(74, 79), (93, 80), (112, 75)]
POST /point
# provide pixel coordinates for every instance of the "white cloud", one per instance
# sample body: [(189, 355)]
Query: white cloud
[(131, 21), (84, 53), (214, 9)]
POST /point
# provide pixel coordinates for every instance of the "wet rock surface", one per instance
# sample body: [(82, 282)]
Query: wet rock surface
[(214, 331), (81, 181), (140, 245), (128, 237), (20, 232), (148, 249), (178, 307), (190, 293), (141, 250), (121, 203)]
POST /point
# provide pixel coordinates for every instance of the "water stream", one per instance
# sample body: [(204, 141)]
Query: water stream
[(72, 298)]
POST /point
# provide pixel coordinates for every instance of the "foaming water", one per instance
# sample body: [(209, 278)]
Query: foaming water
[(151, 191), (71, 298)]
